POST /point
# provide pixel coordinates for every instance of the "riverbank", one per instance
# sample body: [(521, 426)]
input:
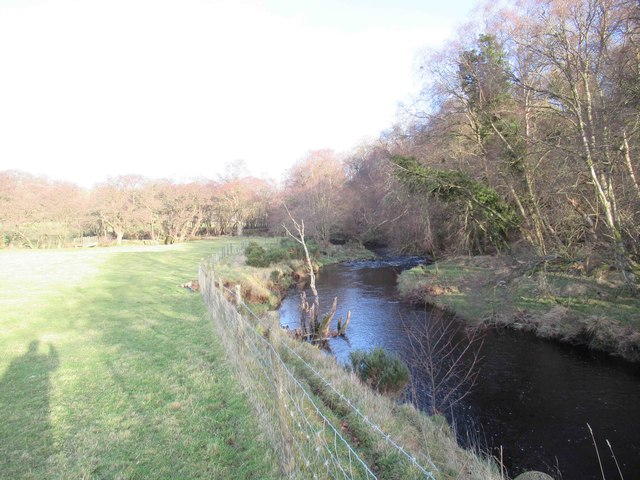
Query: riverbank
[(428, 439), (564, 305), (264, 287)]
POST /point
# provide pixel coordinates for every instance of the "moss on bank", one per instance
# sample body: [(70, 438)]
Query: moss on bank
[(596, 311)]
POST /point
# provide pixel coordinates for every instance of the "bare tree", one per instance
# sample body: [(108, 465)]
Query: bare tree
[(38, 212), (314, 328), (445, 357), (116, 205), (315, 189), (241, 201), (574, 43), (182, 209)]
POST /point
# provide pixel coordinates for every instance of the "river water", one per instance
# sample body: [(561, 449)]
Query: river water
[(532, 397)]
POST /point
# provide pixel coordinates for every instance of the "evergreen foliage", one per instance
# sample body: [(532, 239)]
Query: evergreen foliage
[(258, 256), (492, 218), (382, 371)]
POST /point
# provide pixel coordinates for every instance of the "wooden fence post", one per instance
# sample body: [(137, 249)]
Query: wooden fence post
[(238, 294), (212, 285)]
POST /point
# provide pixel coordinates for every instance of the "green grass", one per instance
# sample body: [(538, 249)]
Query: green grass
[(343, 253), (572, 308), (110, 370), (470, 304)]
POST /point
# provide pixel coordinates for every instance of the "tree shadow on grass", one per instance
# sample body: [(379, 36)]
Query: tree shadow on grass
[(26, 439)]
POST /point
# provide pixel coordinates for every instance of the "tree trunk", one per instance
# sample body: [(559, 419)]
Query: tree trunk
[(629, 165), (603, 188)]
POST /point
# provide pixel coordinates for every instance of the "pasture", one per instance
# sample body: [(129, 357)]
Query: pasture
[(108, 369)]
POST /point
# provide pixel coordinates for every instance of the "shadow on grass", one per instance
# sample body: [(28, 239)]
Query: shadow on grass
[(26, 439), (151, 395)]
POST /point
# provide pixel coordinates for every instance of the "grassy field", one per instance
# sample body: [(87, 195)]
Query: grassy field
[(110, 370)]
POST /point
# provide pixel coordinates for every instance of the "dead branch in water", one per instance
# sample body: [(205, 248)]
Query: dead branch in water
[(313, 328)]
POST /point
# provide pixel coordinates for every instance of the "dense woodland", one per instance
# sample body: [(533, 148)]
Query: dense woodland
[(527, 131)]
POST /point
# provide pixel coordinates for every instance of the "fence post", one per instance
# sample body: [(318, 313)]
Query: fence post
[(212, 285), (238, 294)]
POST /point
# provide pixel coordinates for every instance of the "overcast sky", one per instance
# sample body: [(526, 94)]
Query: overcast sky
[(93, 88)]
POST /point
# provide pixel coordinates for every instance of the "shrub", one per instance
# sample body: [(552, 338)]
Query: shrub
[(277, 254), (256, 255), (288, 249), (382, 371), (296, 251), (280, 281)]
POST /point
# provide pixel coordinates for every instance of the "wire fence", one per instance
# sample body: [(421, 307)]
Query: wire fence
[(316, 430)]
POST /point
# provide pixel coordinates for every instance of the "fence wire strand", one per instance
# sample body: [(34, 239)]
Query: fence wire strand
[(307, 441)]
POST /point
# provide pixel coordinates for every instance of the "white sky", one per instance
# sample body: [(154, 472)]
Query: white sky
[(93, 88)]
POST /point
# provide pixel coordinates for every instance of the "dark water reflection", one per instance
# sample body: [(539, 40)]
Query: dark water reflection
[(533, 397)]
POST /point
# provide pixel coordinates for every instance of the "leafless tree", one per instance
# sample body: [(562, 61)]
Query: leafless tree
[(116, 206), (38, 212), (445, 359), (314, 328), (315, 189)]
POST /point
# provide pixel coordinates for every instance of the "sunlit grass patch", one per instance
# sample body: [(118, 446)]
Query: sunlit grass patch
[(110, 369)]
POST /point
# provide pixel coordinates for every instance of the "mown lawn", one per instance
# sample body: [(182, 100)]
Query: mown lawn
[(108, 369)]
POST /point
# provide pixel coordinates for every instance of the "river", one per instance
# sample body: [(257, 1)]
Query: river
[(532, 397)]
